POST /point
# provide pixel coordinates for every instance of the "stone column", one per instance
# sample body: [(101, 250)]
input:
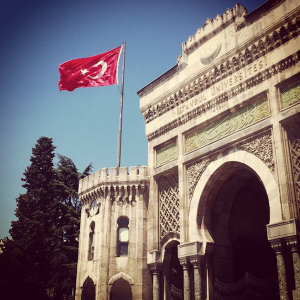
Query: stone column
[(292, 243), (282, 282), (156, 270), (186, 279), (196, 261)]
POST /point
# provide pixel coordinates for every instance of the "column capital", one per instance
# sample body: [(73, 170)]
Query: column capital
[(277, 245), (196, 260), (156, 267), (292, 243), (184, 262), (282, 230)]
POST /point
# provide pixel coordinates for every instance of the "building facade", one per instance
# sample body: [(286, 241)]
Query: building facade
[(215, 213)]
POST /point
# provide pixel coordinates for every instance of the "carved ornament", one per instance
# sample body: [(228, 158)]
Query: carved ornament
[(262, 148)]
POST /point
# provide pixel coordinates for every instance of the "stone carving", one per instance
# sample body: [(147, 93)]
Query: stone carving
[(228, 125), (217, 102), (262, 148), (249, 55), (293, 130), (194, 172), (295, 155), (166, 154), (168, 204), (235, 15), (290, 97), (121, 195)]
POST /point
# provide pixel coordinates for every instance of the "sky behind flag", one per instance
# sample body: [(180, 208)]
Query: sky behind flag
[(38, 35)]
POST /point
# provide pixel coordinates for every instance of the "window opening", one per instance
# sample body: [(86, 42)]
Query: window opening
[(91, 241), (123, 236)]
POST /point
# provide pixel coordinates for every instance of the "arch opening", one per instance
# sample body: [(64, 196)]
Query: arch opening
[(88, 290), (173, 272), (121, 290), (236, 214)]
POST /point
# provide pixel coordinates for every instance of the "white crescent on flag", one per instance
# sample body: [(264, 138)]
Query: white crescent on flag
[(104, 67)]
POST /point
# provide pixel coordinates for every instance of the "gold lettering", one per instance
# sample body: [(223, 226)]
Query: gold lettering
[(249, 69), (235, 79), (230, 81), (225, 83), (261, 65), (254, 68), (241, 76), (212, 91)]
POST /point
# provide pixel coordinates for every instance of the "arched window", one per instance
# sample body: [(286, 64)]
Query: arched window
[(91, 241), (123, 236)]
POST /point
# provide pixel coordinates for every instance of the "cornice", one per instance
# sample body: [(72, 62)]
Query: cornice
[(265, 43), (212, 104)]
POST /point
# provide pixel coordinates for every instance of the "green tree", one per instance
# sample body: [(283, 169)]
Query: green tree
[(66, 251), (33, 234), (40, 260)]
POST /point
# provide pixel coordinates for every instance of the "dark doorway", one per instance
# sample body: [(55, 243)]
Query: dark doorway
[(244, 264), (176, 276), (121, 290), (88, 290)]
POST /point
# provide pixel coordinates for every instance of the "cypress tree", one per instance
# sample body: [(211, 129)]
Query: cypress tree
[(33, 234), (40, 259)]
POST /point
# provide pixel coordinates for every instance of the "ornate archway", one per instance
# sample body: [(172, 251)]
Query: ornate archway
[(236, 203)]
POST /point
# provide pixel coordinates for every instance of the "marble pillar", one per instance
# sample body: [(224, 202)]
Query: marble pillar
[(281, 270), (186, 279), (156, 270), (197, 270), (292, 243)]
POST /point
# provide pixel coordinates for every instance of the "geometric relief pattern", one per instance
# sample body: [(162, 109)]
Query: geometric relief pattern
[(293, 130), (194, 172), (168, 204), (295, 156), (262, 148)]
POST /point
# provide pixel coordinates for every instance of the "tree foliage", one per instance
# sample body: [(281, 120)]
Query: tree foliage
[(41, 257)]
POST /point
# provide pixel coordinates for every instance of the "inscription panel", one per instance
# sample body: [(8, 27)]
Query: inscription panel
[(166, 154), (232, 123), (290, 96)]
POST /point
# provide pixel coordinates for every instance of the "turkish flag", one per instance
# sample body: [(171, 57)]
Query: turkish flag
[(98, 70)]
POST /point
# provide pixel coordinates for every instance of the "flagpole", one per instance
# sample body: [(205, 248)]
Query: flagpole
[(121, 110)]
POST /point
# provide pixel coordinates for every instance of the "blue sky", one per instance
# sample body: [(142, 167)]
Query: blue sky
[(37, 36)]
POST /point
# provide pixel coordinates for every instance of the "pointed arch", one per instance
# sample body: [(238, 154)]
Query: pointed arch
[(123, 276)]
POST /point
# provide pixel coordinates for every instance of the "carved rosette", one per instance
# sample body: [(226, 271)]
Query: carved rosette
[(262, 148), (194, 172)]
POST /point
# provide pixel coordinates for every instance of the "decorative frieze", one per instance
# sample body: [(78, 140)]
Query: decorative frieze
[(194, 172), (232, 123), (166, 153), (236, 69), (168, 204), (118, 186), (262, 148), (220, 101)]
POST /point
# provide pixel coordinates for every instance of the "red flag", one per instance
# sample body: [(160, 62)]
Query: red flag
[(98, 70)]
